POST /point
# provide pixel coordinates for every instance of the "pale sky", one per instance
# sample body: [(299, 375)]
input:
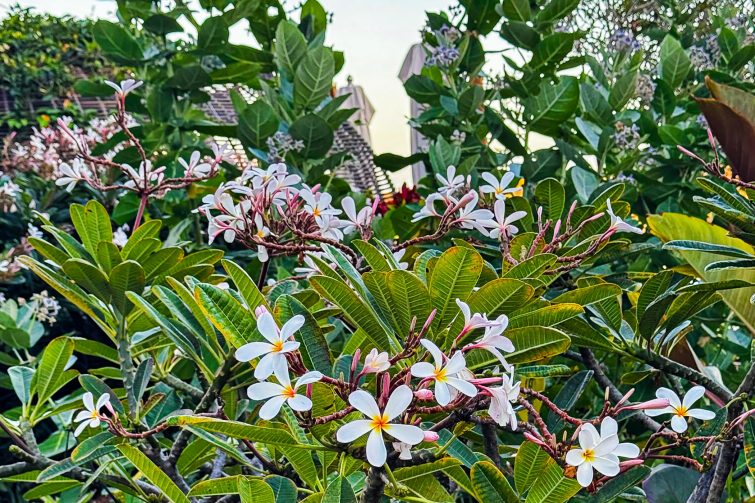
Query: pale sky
[(375, 35)]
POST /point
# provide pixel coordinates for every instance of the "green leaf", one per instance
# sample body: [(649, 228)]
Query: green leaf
[(490, 485), (749, 446), (162, 24), (87, 448), (555, 10), (356, 310), (731, 264), (290, 47), (567, 397), (339, 490), (92, 223), (108, 256), (702, 246), (589, 294), (49, 251), (553, 105), (245, 285), (220, 486), (315, 133), (141, 378), (154, 474), (189, 78), (313, 79), (235, 429), (145, 232), (51, 366), (255, 491), (674, 62), (127, 276), (547, 316), (623, 90), (551, 486), (21, 380), (257, 123), (550, 194), (117, 42), (376, 260), (544, 371), (314, 347), (552, 49), (454, 277), (231, 319), (516, 10), (529, 463), (423, 89), (401, 296), (616, 486), (212, 34), (89, 277), (594, 105)]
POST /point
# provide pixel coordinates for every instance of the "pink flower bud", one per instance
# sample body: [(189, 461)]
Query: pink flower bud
[(109, 406), (424, 394), (630, 463), (259, 311), (431, 436), (532, 438), (657, 403)]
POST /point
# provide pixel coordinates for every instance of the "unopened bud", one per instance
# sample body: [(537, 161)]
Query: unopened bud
[(424, 394), (626, 397), (259, 311), (431, 436), (532, 438), (630, 463), (656, 403)]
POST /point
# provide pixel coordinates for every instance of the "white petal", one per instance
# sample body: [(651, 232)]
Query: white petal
[(584, 474), (398, 402), (308, 378), (289, 346), (423, 369), (101, 401), (588, 436), (412, 435), (266, 366), (434, 350), (658, 412), (300, 403), (292, 326), (267, 327), (364, 403), (705, 415), (627, 450), (456, 364), (353, 430), (606, 445), (83, 415), (692, 396), (669, 395), (80, 428), (574, 457), (678, 424), (607, 465), (442, 394), (88, 400), (272, 407), (263, 390), (252, 350), (376, 452), (608, 427), (465, 387)]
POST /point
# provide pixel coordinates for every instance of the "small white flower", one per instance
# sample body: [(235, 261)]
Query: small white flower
[(471, 218), (262, 233), (275, 349), (428, 210), (471, 321), (503, 226), (70, 174), (282, 392), (404, 450), (398, 256), (125, 87), (618, 223), (498, 187), (682, 409), (120, 236), (501, 400), (379, 422), (194, 168), (318, 204), (445, 374), (494, 341), (355, 221), (599, 451), (376, 362), (34, 231), (451, 182), (90, 416)]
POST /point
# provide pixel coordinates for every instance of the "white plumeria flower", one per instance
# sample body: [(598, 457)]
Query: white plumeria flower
[(471, 321), (125, 87), (444, 374), (618, 223), (471, 218), (120, 238), (275, 349), (451, 182), (494, 341), (498, 187), (318, 204), (33, 231), (404, 450), (599, 451), (330, 227), (70, 174), (428, 210), (503, 226), (376, 362), (398, 256), (355, 220), (379, 422), (262, 233), (193, 168), (501, 400), (282, 392), (90, 416), (682, 409)]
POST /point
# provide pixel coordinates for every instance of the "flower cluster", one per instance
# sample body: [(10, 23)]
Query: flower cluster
[(624, 41), (626, 137), (442, 56), (645, 88), (280, 144)]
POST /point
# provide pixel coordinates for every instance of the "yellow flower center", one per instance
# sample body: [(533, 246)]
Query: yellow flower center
[(681, 411), (277, 346), (440, 374), (95, 414), (316, 212), (379, 423), (260, 234), (498, 191), (588, 455), (289, 392)]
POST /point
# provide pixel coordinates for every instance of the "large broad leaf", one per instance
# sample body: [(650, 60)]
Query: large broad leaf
[(154, 474), (236, 323), (339, 490), (272, 436), (290, 47), (212, 34), (674, 62), (670, 484), (530, 462), (675, 226), (623, 90), (401, 296), (550, 194), (616, 486), (551, 486), (51, 367), (454, 277), (117, 42), (127, 276), (92, 223), (257, 123), (314, 76), (356, 310), (553, 105), (88, 277), (315, 133), (731, 116), (255, 491), (244, 285), (490, 484)]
